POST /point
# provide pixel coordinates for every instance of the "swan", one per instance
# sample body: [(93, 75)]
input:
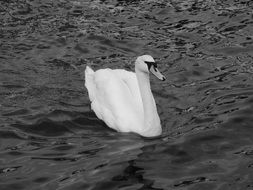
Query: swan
[(123, 99)]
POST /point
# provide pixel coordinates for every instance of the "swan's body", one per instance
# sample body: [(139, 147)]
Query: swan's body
[(123, 99)]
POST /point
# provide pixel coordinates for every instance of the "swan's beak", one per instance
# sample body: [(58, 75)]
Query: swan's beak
[(157, 73)]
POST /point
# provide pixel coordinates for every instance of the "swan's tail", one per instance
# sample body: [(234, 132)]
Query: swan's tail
[(89, 82)]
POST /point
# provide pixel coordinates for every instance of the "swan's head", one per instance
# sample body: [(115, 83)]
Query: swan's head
[(146, 64)]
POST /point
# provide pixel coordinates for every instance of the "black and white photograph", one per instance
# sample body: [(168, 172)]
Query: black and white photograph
[(126, 95)]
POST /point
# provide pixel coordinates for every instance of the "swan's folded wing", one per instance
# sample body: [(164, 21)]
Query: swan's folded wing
[(114, 100), (130, 79)]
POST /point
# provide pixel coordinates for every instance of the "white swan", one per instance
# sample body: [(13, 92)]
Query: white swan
[(123, 99)]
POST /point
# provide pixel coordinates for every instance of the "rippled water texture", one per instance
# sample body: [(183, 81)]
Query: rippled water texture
[(49, 137)]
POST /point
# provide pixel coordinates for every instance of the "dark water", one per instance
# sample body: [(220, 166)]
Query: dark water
[(49, 137)]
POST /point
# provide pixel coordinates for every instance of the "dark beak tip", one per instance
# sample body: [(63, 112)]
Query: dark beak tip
[(163, 79)]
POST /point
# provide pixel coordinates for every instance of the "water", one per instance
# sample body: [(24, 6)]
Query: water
[(50, 139)]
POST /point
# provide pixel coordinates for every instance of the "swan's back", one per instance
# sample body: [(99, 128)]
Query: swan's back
[(115, 98)]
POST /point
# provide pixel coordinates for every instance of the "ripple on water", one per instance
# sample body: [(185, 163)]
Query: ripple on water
[(50, 139)]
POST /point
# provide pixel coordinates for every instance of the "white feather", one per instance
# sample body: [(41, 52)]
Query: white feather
[(117, 100)]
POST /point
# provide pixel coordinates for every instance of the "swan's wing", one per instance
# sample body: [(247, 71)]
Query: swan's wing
[(114, 99), (130, 79)]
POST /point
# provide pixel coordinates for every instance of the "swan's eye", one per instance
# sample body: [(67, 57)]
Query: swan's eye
[(150, 63)]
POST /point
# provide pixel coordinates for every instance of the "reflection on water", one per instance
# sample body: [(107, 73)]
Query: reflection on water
[(49, 137)]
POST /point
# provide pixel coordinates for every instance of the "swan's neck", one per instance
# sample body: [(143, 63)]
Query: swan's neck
[(151, 118)]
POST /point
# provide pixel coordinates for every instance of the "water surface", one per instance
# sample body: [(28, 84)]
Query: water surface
[(50, 138)]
